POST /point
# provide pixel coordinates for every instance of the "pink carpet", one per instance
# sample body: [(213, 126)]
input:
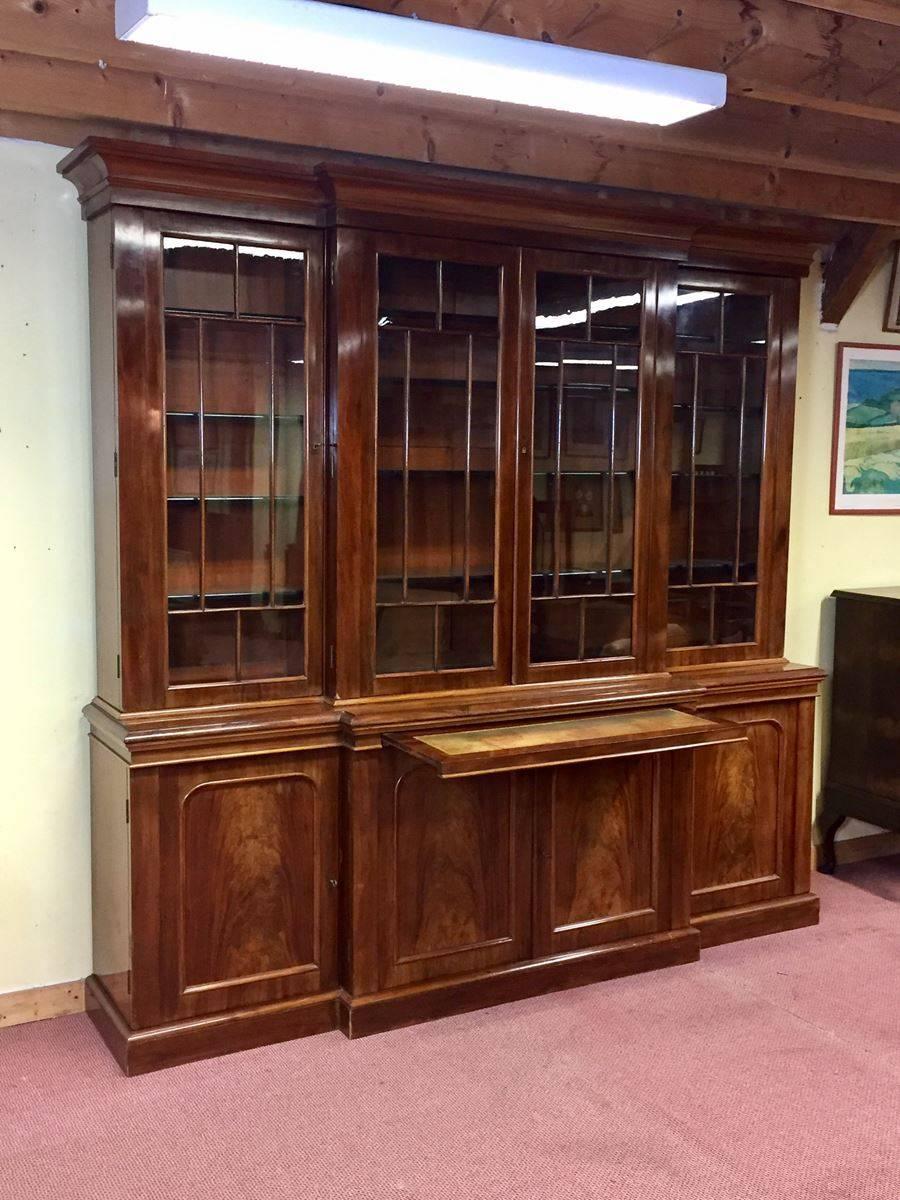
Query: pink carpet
[(769, 1070)]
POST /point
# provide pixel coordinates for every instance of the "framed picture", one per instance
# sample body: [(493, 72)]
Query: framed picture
[(892, 312), (865, 464)]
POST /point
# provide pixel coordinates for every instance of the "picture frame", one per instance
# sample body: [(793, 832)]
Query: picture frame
[(865, 458)]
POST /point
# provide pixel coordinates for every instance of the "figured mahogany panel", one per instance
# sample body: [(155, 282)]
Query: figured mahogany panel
[(742, 811), (249, 866), (455, 866), (235, 875), (598, 853)]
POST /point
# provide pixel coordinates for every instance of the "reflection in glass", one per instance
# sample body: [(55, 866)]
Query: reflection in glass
[(235, 454), (607, 628), (586, 409), (438, 369), (198, 275), (271, 282), (717, 458), (407, 292)]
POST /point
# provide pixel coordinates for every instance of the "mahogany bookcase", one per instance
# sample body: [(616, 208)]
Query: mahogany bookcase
[(441, 542)]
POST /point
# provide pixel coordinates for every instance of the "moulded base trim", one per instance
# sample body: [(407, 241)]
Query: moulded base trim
[(755, 920), (138, 1051), (360, 1016)]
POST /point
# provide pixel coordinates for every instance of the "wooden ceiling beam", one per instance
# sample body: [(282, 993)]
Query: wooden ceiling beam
[(365, 119), (772, 50), (854, 258), (886, 12)]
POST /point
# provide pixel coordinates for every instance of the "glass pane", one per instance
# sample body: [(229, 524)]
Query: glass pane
[(715, 528), (616, 309), (542, 535), (607, 628), (717, 445), (182, 364), (389, 545), (756, 382), (621, 541), (719, 382), (183, 454), (561, 306), (439, 370), (288, 564), (437, 535), (749, 547), (289, 344), (237, 552), (202, 647), (272, 643), (236, 454), (470, 297), (236, 368), (698, 320), (198, 275), (680, 530), (393, 349), (404, 639), (684, 379), (482, 506), (682, 433), (746, 323), (271, 283), (407, 292), (582, 530), (555, 627), (751, 450), (586, 407), (735, 617), (689, 618), (465, 636), (183, 521)]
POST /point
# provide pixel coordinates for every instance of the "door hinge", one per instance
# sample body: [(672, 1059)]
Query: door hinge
[(118, 666), (115, 464), (127, 809), (112, 255), (331, 656)]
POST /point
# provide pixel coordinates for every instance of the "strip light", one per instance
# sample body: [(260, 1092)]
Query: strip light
[(332, 39)]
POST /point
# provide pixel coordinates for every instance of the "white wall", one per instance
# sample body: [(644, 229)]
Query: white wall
[(46, 602), (830, 552), (46, 575)]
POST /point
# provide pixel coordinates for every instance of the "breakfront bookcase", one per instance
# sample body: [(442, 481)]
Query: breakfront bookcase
[(441, 542)]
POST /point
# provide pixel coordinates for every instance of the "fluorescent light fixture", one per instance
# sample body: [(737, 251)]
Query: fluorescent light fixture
[(332, 39)]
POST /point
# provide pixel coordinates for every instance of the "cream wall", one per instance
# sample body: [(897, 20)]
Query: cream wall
[(46, 602), (46, 576), (830, 552)]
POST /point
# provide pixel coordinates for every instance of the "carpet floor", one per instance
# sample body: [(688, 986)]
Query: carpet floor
[(770, 1070)]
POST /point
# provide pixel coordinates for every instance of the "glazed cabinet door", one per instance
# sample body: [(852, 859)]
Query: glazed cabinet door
[(219, 459), (608, 841), (585, 474), (731, 434), (425, 373), (454, 869), (235, 883), (746, 800)]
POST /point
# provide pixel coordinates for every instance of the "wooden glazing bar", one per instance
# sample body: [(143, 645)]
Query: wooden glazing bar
[(610, 474), (272, 464), (201, 405), (557, 483), (693, 487), (739, 482), (467, 484), (404, 550)]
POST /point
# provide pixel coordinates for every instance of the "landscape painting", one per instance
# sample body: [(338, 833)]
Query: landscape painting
[(866, 458)]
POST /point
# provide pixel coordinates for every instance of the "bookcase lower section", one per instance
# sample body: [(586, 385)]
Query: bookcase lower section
[(362, 885)]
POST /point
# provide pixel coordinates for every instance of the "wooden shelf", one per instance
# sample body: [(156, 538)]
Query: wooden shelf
[(554, 743)]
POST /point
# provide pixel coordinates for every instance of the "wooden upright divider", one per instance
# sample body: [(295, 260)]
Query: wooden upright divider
[(441, 565)]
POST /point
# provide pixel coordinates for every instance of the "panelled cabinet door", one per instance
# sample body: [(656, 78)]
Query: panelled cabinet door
[(603, 852), (731, 429), (587, 389), (426, 335), (221, 460), (235, 882), (455, 866), (743, 811)]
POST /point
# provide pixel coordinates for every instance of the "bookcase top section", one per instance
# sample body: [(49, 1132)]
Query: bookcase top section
[(551, 743)]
